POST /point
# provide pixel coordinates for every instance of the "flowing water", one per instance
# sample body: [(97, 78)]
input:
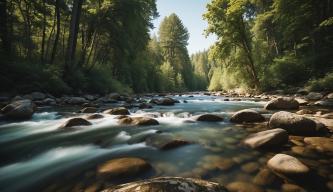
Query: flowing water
[(37, 156)]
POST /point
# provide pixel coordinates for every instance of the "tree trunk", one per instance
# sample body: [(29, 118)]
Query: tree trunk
[(44, 34), (55, 44), (72, 39), (4, 36)]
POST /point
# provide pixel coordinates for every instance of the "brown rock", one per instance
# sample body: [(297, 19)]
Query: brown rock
[(75, 122), (117, 111), (267, 139), (89, 110), (247, 116), (243, 187), (143, 121), (282, 103), (94, 116), (208, 118), (322, 144)]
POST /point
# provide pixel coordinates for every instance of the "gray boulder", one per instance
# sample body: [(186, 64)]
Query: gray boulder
[(247, 116), (267, 139), (21, 109), (282, 103)]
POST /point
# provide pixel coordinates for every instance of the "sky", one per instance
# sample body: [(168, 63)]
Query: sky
[(190, 12)]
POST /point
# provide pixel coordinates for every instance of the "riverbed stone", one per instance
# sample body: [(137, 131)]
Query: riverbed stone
[(305, 111), (117, 111), (294, 124), (141, 121), (288, 187), (21, 109), (267, 139), (208, 118), (94, 116), (301, 101), (123, 167), (264, 177), (247, 116), (240, 186), (165, 141), (216, 162), (250, 167), (75, 100), (75, 122), (321, 144), (88, 110), (286, 103), (169, 184), (287, 166), (314, 96), (37, 96)]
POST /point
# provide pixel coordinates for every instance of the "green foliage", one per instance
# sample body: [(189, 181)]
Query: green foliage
[(321, 84)]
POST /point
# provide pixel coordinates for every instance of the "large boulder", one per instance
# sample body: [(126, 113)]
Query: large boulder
[(208, 117), (314, 96), (75, 122), (141, 121), (287, 166), (293, 123), (37, 96), (88, 110), (170, 184), (22, 109), (267, 139), (117, 111), (321, 144), (124, 167), (167, 101), (94, 116), (324, 103), (165, 141), (282, 103), (247, 116)]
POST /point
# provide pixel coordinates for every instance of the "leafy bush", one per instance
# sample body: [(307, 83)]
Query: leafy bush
[(321, 84)]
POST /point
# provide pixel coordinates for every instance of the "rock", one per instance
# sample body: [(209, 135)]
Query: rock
[(208, 117), (114, 96), (302, 91), (145, 106), (37, 96), (89, 97), (327, 116), (240, 186), (303, 151), (329, 96), (167, 101), (75, 100), (94, 116), (75, 122), (305, 111), (17, 98), (117, 111), (264, 177), (321, 144), (282, 103), (250, 167), (165, 141), (287, 187), (143, 121), (267, 139), (287, 166), (124, 167), (324, 103), (88, 110), (216, 162), (301, 101), (314, 96), (141, 137), (247, 116), (169, 184), (293, 123), (49, 101), (21, 109)]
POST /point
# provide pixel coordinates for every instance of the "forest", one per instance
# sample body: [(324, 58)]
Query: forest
[(77, 46)]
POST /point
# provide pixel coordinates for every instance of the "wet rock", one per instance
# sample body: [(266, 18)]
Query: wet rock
[(94, 116), (327, 116), (75, 100), (264, 177), (250, 167), (75, 122), (282, 103), (170, 184), (247, 116), (49, 101), (287, 187), (114, 96), (324, 103), (301, 101), (208, 117), (145, 106), (305, 111), (287, 166), (141, 137), (21, 109), (322, 144), (123, 167), (239, 186), (143, 121), (88, 110), (314, 96), (117, 111), (165, 141), (329, 96), (267, 139), (303, 151), (216, 162), (90, 97), (167, 101), (293, 123)]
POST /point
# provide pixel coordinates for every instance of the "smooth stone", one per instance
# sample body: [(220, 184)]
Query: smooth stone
[(287, 166), (293, 123), (266, 139), (117, 111), (88, 110), (114, 96), (124, 167), (264, 177), (324, 103), (321, 144), (247, 116), (37, 96), (250, 167), (94, 116), (327, 116), (208, 118), (282, 103), (165, 141), (303, 151), (314, 96), (75, 100), (21, 109), (329, 96), (287, 187), (239, 186), (140, 121), (169, 184), (301, 101), (75, 122), (213, 162), (304, 111)]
